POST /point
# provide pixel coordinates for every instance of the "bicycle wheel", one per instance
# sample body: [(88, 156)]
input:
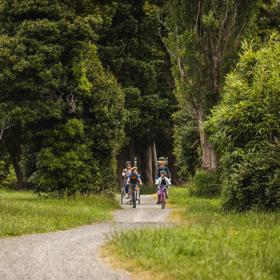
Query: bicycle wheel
[(122, 195), (134, 199), (163, 201), (138, 196)]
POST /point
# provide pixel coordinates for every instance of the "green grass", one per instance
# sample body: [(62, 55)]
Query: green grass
[(210, 245), (148, 189), (25, 212)]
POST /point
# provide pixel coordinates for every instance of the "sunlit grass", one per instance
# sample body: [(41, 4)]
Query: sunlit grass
[(211, 245), (25, 212)]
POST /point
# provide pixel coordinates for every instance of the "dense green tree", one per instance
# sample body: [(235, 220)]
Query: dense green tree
[(66, 113), (203, 40), (245, 129)]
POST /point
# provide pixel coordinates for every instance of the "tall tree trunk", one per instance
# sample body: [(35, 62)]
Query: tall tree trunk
[(147, 165), (154, 158), (209, 157), (15, 153)]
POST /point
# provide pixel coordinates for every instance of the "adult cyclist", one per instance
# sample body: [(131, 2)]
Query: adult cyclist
[(162, 167), (125, 174)]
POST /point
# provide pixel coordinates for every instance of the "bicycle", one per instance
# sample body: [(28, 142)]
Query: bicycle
[(135, 195), (162, 196)]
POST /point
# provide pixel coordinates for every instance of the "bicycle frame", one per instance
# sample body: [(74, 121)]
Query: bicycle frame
[(162, 196), (133, 193)]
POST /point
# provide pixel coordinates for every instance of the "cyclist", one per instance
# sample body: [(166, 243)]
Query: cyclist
[(163, 182), (162, 166), (125, 174), (134, 179)]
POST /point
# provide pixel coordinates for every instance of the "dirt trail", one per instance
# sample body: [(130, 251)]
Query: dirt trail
[(72, 254)]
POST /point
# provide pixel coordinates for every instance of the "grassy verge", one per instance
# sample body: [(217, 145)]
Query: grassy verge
[(148, 189), (25, 212), (210, 245)]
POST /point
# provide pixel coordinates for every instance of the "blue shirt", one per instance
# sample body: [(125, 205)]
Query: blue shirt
[(134, 178)]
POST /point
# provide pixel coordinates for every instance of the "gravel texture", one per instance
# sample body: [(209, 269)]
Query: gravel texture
[(73, 254)]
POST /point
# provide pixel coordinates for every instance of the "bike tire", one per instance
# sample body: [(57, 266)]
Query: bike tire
[(138, 197), (122, 196), (163, 201), (134, 199)]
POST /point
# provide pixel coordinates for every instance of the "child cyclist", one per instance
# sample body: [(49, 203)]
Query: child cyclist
[(134, 179), (163, 182)]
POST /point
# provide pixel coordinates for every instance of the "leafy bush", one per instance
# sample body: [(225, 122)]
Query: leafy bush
[(254, 180), (245, 129), (8, 178), (205, 184)]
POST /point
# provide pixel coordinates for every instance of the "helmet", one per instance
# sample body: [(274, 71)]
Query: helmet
[(128, 163), (163, 172)]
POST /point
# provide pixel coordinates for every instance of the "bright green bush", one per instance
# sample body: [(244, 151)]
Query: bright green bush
[(254, 180), (205, 184), (245, 129)]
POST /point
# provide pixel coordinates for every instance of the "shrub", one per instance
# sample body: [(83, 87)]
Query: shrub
[(205, 184), (245, 129), (254, 181)]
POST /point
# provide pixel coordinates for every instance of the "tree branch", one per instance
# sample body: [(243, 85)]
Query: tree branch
[(2, 131)]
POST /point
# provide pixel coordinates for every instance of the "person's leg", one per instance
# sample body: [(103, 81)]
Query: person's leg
[(158, 195), (166, 192), (126, 191)]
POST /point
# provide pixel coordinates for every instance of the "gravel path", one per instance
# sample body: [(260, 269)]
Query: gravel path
[(72, 254)]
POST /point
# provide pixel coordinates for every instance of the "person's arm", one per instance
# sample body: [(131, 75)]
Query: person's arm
[(158, 181), (124, 173), (128, 180), (168, 181), (139, 180), (157, 174)]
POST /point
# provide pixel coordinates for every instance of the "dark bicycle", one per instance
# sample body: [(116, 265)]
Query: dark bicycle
[(135, 195)]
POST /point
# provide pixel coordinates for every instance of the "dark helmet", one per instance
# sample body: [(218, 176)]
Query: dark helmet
[(161, 159), (163, 172), (128, 163)]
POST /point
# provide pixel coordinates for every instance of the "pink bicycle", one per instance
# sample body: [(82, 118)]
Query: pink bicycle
[(162, 196)]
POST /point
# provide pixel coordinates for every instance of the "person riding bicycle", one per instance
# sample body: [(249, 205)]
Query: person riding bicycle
[(163, 182), (162, 167), (134, 179), (125, 174)]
